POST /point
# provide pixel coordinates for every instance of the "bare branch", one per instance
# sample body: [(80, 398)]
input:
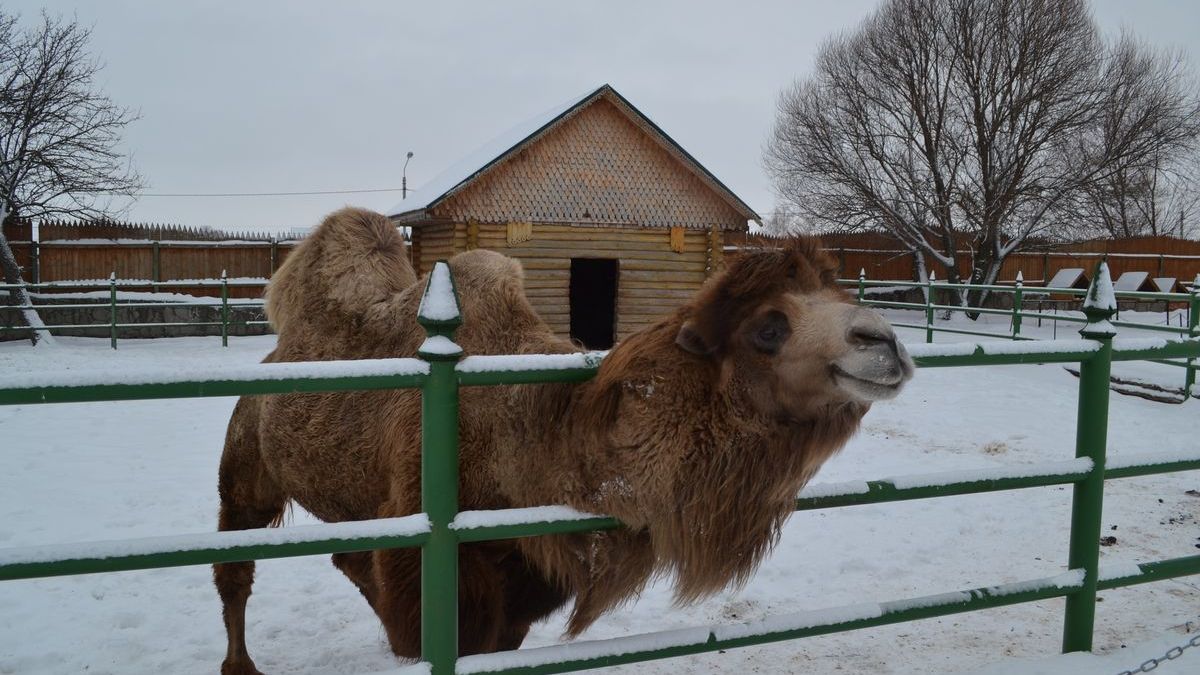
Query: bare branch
[(981, 124), (59, 138)]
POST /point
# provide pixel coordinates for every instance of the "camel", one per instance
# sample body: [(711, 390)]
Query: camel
[(696, 433)]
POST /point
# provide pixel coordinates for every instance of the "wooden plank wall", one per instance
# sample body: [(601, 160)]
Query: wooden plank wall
[(66, 260), (653, 280), (436, 242)]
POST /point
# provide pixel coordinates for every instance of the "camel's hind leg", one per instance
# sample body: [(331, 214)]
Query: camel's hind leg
[(250, 498)]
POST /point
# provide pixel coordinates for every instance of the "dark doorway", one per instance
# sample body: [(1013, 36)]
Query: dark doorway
[(594, 301)]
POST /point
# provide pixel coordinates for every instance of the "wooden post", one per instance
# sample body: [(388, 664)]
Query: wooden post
[(472, 235), (274, 256), (156, 263)]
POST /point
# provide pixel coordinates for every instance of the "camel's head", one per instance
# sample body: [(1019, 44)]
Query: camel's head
[(777, 321)]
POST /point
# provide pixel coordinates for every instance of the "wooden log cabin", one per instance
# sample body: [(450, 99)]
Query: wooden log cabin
[(615, 224)]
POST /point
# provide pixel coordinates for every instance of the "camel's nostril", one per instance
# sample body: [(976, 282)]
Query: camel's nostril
[(871, 335)]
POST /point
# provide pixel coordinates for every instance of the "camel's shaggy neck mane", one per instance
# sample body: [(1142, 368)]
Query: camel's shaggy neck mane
[(670, 443)]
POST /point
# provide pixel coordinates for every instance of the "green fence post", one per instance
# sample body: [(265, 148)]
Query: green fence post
[(224, 309), (112, 308), (439, 316), (1193, 323), (1091, 438), (1018, 294), (862, 284), (929, 307)]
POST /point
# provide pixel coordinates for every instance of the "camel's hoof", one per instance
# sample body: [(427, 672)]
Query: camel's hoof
[(239, 668)]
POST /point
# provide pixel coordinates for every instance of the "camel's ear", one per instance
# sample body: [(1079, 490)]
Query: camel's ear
[(691, 340)]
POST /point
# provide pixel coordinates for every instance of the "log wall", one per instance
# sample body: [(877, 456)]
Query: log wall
[(653, 280)]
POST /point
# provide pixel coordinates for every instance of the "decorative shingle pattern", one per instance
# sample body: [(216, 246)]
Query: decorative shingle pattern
[(596, 167)]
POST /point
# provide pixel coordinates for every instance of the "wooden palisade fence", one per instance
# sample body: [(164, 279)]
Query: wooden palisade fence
[(80, 252), (437, 531), (883, 258)]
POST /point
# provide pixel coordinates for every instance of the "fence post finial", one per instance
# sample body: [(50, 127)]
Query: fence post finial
[(439, 315), (1099, 305)]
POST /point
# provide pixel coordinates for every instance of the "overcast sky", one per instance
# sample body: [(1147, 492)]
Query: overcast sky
[(302, 96)]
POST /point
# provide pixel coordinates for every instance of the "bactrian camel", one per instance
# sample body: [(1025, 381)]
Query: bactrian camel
[(696, 433)]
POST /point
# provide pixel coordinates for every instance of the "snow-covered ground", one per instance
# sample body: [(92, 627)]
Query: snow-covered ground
[(77, 472)]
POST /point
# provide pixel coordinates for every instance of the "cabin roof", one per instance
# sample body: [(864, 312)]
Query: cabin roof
[(1068, 277), (1133, 281), (469, 169), (1166, 284)]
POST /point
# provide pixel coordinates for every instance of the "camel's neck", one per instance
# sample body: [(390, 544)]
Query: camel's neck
[(674, 449)]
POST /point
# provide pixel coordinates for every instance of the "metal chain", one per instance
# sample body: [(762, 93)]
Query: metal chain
[(1172, 654)]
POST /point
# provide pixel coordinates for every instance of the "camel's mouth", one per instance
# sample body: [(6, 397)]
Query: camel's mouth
[(869, 375), (864, 389)]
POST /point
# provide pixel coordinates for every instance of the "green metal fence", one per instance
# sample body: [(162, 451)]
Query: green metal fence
[(441, 371), (115, 306), (1022, 297)]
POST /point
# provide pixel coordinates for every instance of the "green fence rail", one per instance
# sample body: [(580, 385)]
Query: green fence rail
[(223, 304), (1021, 295), (441, 370)]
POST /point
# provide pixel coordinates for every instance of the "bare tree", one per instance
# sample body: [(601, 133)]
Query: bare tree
[(967, 127), (59, 137), (1160, 198)]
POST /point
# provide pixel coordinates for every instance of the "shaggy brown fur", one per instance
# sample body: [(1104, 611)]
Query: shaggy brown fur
[(699, 449)]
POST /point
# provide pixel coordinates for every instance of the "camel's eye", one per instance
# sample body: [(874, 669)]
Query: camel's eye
[(771, 332)]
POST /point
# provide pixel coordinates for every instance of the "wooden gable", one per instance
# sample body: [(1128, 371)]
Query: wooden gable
[(596, 168)]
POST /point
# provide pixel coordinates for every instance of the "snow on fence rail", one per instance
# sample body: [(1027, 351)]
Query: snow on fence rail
[(616, 651), (473, 526), (1101, 287), (441, 528), (211, 547)]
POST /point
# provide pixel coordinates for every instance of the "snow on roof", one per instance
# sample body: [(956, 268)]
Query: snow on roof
[(1066, 278), (1165, 284), (1131, 281), (474, 163)]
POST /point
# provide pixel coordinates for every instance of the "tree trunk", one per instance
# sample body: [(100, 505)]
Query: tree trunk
[(20, 297), (984, 272)]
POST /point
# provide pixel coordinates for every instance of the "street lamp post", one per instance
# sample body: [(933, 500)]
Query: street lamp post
[(404, 177)]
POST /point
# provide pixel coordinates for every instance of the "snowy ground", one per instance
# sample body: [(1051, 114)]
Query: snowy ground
[(76, 472)]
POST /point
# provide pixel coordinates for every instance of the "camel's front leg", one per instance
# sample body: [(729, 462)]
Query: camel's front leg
[(483, 618), (250, 498)]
